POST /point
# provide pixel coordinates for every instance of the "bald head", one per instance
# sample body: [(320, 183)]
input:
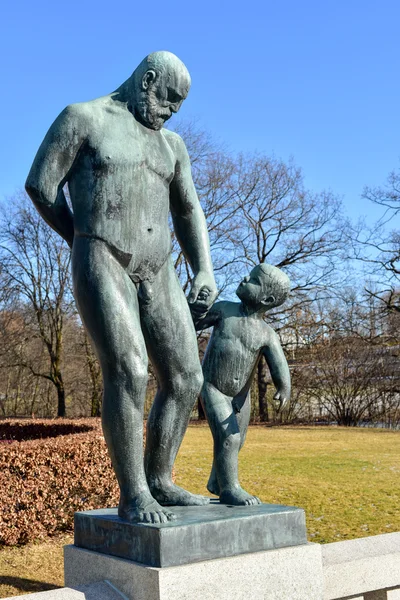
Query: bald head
[(274, 283), (164, 64), (266, 286), (161, 83)]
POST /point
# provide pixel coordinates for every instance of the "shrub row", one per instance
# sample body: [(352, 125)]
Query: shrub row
[(44, 481), (11, 430)]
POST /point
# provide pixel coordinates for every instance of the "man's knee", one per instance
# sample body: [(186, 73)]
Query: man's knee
[(188, 382), (128, 372)]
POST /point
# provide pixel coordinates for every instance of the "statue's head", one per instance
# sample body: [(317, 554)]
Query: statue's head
[(162, 83), (265, 287)]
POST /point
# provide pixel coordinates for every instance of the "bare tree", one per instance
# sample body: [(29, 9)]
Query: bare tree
[(379, 247), (349, 379), (286, 225), (34, 278)]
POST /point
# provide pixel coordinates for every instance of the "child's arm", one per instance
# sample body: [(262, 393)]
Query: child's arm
[(278, 367), (209, 319)]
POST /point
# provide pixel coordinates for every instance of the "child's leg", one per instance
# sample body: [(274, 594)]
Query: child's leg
[(225, 431), (227, 438), (243, 419)]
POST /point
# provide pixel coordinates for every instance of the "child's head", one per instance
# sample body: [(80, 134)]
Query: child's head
[(266, 286)]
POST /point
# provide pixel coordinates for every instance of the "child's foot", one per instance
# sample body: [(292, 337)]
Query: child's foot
[(238, 497), (144, 509), (173, 495)]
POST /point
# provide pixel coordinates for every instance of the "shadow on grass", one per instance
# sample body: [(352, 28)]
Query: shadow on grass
[(27, 585)]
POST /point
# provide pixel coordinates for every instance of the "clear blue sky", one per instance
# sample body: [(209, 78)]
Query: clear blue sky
[(314, 79)]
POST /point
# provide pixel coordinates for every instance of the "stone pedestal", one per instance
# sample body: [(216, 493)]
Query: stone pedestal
[(285, 574), (199, 533), (214, 552)]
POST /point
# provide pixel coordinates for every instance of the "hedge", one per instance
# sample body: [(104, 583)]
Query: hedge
[(63, 467)]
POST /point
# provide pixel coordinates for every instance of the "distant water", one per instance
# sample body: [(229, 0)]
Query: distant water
[(393, 426)]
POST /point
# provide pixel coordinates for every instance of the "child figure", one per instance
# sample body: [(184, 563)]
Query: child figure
[(239, 337)]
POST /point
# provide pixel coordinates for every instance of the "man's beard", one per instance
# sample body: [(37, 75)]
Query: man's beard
[(150, 113)]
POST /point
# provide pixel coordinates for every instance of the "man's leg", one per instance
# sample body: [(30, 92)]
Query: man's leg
[(172, 346), (108, 304)]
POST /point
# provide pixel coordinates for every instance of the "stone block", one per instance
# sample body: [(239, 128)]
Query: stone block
[(60, 594), (364, 566), (101, 590), (198, 534), (288, 573)]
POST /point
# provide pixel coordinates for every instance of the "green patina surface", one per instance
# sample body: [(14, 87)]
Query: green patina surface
[(125, 173)]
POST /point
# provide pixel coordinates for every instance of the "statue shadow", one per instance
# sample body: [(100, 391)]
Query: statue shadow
[(27, 585)]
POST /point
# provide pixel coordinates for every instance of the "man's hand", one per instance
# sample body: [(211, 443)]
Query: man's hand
[(202, 294), (282, 396)]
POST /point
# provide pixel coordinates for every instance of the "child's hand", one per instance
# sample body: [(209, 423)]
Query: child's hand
[(200, 308), (282, 397)]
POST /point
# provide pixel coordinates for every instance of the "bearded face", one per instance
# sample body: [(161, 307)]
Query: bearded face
[(152, 113), (160, 96)]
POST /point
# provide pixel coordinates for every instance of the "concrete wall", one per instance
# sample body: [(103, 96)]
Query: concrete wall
[(362, 569)]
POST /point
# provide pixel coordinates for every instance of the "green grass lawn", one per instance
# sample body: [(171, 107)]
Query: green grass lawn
[(347, 480)]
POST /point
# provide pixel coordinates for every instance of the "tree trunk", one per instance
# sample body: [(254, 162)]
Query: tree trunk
[(262, 384), (95, 407), (61, 401), (95, 378)]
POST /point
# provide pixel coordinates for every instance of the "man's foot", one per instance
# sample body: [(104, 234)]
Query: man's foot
[(144, 509), (238, 497), (173, 495)]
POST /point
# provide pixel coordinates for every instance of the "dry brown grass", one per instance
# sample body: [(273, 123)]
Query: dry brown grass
[(32, 568)]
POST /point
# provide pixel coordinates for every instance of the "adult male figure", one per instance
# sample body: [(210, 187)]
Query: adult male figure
[(124, 173)]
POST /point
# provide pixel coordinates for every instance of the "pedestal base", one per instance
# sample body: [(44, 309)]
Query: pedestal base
[(199, 533), (285, 574), (213, 552)]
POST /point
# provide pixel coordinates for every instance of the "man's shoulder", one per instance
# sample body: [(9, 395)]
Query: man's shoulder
[(270, 335), (89, 110), (175, 142), (172, 136)]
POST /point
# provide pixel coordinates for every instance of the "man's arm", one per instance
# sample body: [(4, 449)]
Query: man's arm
[(278, 367), (190, 224), (50, 169)]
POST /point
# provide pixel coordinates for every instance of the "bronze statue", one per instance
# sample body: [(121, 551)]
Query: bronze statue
[(239, 337), (125, 172)]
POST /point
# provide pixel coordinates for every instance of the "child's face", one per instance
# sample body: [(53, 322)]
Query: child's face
[(250, 291)]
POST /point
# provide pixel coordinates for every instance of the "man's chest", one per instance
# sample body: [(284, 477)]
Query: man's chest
[(118, 148)]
